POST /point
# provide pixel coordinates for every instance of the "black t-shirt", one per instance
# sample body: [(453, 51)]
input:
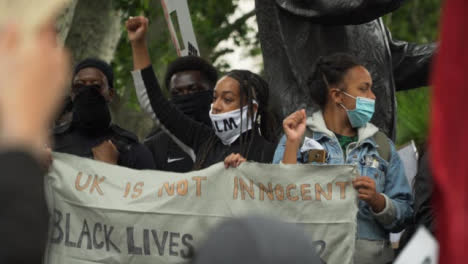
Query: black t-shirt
[(167, 155), (132, 154)]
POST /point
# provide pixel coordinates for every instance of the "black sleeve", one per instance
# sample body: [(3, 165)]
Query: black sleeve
[(339, 12), (411, 63), (423, 186), (24, 216), (157, 148), (140, 158), (187, 130)]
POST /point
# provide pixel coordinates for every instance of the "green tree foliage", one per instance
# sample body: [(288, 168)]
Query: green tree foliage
[(417, 21)]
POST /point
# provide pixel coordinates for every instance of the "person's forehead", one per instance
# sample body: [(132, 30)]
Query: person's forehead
[(358, 74), (227, 84), (90, 74), (185, 79)]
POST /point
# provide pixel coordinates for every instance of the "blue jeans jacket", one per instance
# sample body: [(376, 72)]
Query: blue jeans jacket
[(389, 177)]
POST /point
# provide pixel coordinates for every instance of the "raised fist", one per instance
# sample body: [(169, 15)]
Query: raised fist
[(294, 125), (137, 28)]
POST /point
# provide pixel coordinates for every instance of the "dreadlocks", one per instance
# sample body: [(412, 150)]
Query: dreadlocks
[(252, 89)]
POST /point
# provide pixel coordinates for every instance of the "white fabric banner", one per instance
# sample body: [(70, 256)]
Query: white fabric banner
[(108, 214)]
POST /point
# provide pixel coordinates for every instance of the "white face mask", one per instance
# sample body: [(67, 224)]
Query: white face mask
[(228, 126)]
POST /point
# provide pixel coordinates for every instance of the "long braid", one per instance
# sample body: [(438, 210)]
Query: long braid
[(250, 96), (255, 88), (251, 87), (201, 158)]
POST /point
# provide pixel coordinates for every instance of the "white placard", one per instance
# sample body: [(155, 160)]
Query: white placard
[(180, 26), (409, 156), (422, 249)]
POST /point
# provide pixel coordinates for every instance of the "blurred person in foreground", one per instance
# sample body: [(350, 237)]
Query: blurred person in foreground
[(29, 99)]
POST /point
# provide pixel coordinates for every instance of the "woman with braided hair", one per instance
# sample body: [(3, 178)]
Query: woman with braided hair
[(339, 132), (242, 121), (256, 124)]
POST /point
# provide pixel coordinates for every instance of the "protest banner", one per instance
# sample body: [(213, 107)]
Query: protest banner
[(178, 20), (108, 214)]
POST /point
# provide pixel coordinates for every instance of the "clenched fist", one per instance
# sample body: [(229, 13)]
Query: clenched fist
[(137, 27), (294, 125)]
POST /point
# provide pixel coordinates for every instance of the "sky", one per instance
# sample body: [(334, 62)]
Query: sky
[(240, 59)]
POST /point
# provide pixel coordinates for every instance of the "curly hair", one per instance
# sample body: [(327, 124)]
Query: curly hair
[(192, 63)]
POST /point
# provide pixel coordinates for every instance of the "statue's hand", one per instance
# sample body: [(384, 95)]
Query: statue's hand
[(294, 126)]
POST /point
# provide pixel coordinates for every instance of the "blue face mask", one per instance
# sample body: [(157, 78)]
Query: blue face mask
[(360, 116)]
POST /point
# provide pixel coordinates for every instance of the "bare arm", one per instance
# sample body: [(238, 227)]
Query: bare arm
[(186, 132), (294, 127), (137, 28)]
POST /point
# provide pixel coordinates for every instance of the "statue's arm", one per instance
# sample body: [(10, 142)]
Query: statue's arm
[(340, 12), (411, 63)]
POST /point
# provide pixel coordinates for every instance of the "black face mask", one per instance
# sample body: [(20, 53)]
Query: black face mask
[(196, 105), (90, 111)]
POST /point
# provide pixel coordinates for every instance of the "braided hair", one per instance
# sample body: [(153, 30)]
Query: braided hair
[(329, 71), (251, 87)]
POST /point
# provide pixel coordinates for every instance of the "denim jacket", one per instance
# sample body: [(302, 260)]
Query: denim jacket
[(389, 177)]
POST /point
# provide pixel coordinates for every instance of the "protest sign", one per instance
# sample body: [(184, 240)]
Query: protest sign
[(110, 214), (180, 26), (423, 248)]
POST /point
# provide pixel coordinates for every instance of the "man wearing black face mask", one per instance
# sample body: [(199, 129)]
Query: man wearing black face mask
[(91, 133), (190, 81)]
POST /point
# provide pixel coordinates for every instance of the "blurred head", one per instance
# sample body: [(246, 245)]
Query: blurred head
[(93, 73)]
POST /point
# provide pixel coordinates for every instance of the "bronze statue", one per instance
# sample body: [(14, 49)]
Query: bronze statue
[(295, 33)]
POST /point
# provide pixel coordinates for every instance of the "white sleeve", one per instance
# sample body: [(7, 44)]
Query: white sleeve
[(145, 104), (142, 95)]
